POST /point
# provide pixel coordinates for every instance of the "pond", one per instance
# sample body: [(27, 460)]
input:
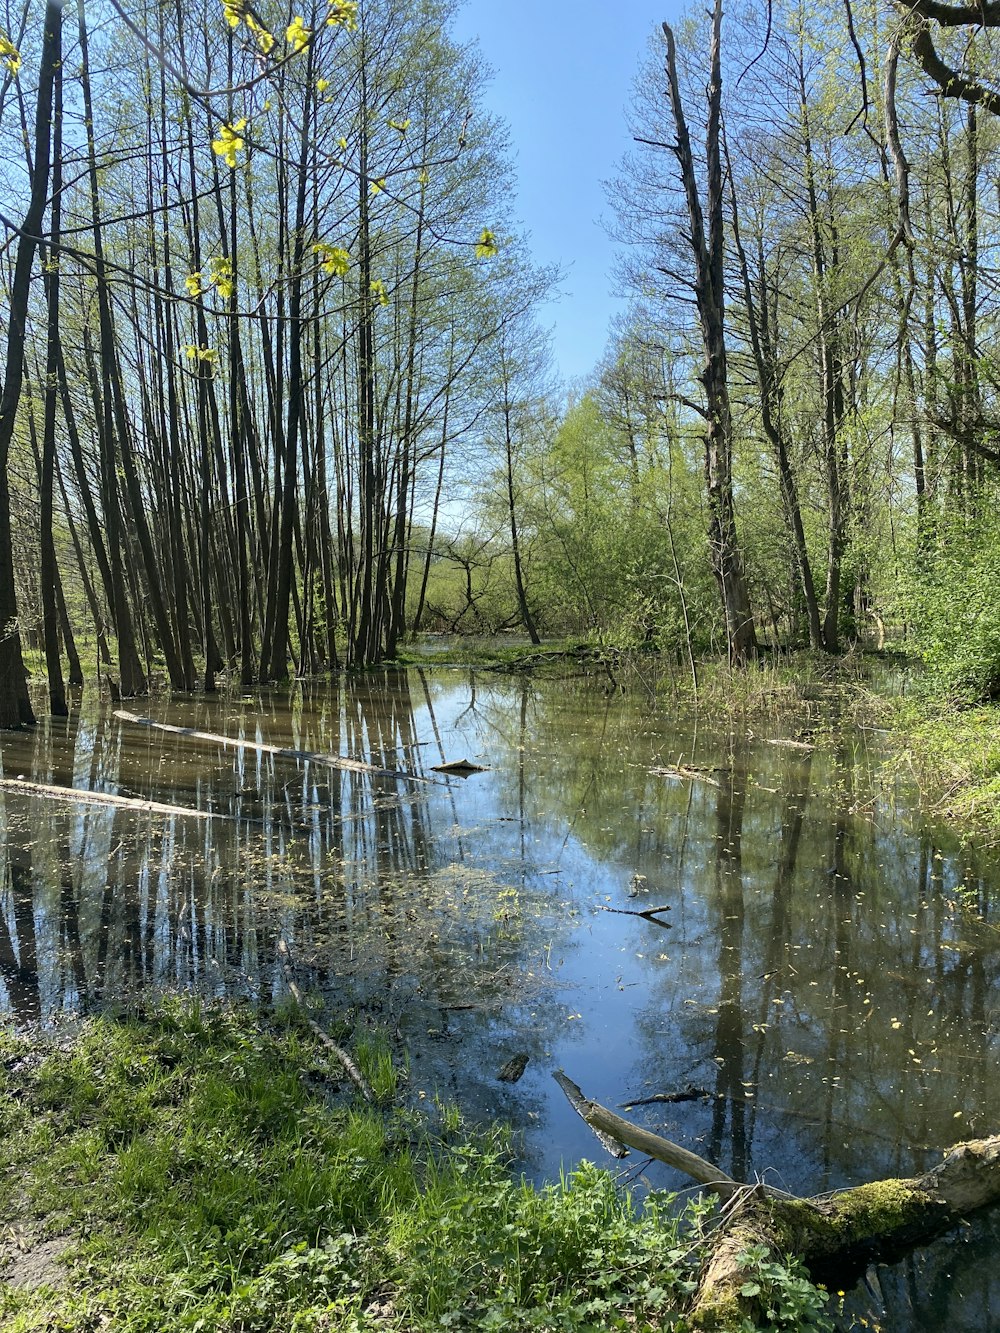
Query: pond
[(817, 1004)]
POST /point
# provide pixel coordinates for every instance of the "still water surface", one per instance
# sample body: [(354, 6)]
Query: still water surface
[(823, 992)]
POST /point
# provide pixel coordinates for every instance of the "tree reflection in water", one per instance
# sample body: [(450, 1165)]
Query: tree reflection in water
[(830, 980)]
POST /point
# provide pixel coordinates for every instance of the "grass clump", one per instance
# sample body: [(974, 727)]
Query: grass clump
[(205, 1178)]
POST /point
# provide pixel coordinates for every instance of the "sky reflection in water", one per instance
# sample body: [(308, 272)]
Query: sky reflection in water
[(824, 998)]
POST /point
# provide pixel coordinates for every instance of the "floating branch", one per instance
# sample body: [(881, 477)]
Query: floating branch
[(648, 913)]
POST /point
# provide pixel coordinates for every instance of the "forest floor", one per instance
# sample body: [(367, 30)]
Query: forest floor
[(207, 1168)]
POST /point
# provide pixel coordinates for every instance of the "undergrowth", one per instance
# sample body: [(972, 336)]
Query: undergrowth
[(206, 1178), (954, 754)]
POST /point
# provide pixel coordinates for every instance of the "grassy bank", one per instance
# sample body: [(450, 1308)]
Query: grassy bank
[(954, 754), (197, 1170)]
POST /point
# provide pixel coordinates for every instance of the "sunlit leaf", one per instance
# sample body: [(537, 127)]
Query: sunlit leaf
[(334, 259), (9, 54), (265, 39), (343, 13), (486, 246), (297, 34), (229, 141)]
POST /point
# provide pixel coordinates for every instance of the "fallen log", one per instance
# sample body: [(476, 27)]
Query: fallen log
[(836, 1236), (262, 747), (80, 795)]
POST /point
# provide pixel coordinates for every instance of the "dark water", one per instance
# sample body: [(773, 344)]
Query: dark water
[(827, 990)]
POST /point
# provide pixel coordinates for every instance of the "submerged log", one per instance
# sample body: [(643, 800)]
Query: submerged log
[(686, 773), (282, 751), (81, 795), (837, 1236), (459, 768)]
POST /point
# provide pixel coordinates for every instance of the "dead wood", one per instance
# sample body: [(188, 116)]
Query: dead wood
[(685, 772), (836, 1236), (650, 913), (281, 751), (689, 1094), (459, 768), (350, 1068), (80, 795), (606, 1125)]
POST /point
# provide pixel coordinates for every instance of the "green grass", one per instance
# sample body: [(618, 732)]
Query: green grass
[(206, 1178), (954, 754)]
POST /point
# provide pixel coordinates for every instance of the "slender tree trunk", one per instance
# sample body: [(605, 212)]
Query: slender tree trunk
[(15, 705), (527, 618), (278, 665), (769, 384), (49, 573), (727, 562), (132, 679)]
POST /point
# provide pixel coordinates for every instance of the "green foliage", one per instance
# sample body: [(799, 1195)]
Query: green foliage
[(789, 1300), (208, 1182), (956, 758), (952, 609), (614, 543)]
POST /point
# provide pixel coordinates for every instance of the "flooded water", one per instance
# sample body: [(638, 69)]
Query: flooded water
[(818, 1005)]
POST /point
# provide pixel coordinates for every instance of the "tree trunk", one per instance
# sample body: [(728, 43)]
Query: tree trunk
[(48, 571), (727, 563), (837, 1237), (15, 706)]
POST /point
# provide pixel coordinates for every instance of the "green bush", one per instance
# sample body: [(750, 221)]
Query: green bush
[(953, 607)]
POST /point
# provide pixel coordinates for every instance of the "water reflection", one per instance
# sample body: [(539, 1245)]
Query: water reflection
[(822, 1007)]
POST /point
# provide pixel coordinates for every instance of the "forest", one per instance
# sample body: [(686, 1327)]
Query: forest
[(279, 414), (276, 395)]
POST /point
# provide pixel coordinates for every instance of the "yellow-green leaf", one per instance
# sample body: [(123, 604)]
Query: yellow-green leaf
[(486, 246), (343, 13), (265, 39), (297, 34), (220, 274), (9, 54), (334, 258), (229, 141)]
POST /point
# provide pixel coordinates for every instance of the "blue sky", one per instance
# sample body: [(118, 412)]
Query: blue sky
[(563, 74)]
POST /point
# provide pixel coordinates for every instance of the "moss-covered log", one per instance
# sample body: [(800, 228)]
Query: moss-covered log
[(835, 1237)]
